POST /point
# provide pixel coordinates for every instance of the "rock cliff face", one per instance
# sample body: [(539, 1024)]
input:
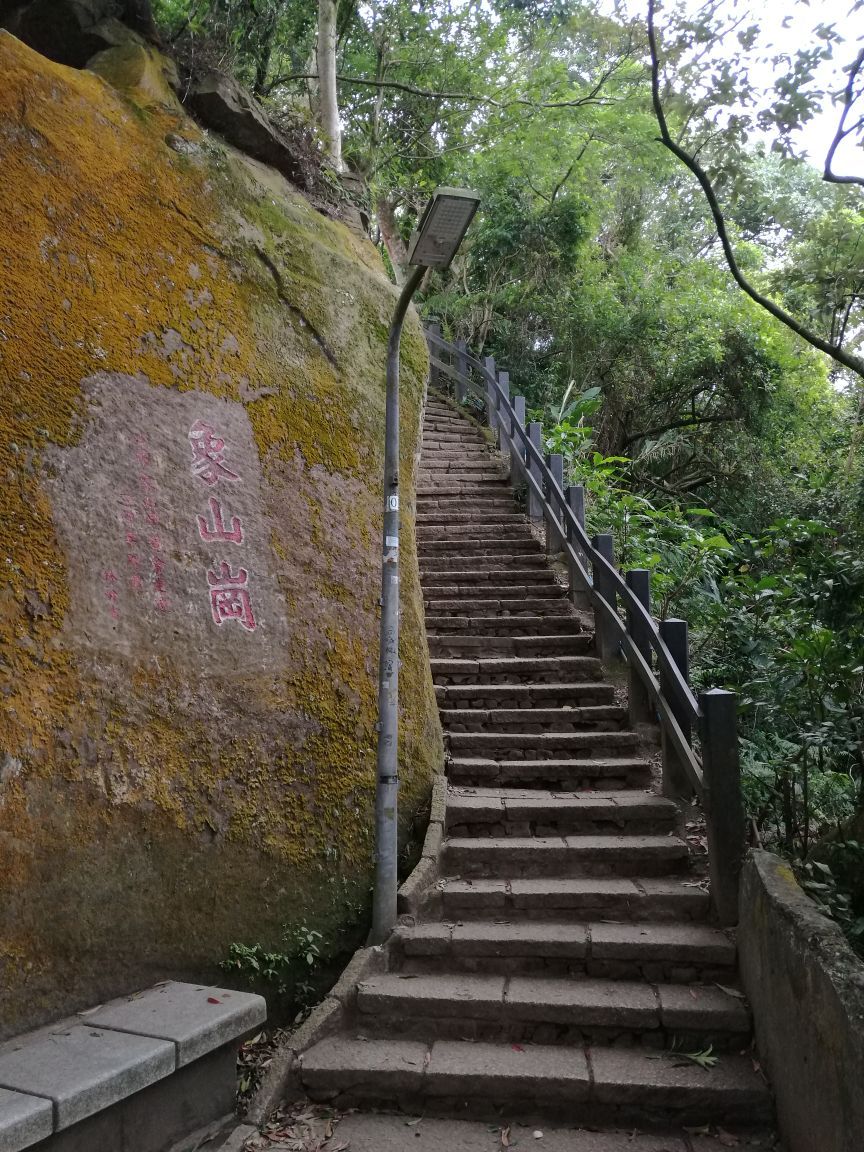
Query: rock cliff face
[(191, 420)]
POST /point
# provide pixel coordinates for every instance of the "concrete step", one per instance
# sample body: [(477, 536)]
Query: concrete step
[(584, 718), (473, 518), (592, 897), (540, 745), (515, 529), (507, 547), (474, 812), (536, 586), (445, 422), (434, 443), (471, 547), (565, 773), (519, 565), (515, 669), (459, 460), (563, 856), (459, 645), (463, 495), (386, 1132), (447, 453), (661, 952), (485, 1079), (506, 608), (551, 1010), (468, 469), (467, 489), (554, 624), (488, 500), (487, 506), (499, 571), (444, 480), (522, 695)]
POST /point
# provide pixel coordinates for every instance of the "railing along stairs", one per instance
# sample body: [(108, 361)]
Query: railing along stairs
[(699, 738)]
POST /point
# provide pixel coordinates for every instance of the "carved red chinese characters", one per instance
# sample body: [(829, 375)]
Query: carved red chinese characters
[(229, 596), (208, 461)]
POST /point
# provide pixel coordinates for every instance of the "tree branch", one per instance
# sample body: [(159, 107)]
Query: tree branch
[(846, 359), (593, 96), (688, 422), (842, 132)]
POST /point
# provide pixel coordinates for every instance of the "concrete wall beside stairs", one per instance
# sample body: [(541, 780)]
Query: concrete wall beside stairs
[(806, 990)]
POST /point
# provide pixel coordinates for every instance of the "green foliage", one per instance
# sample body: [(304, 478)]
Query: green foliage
[(287, 974), (775, 615), (837, 888)]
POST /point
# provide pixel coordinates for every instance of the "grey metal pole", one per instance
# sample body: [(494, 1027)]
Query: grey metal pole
[(387, 788)]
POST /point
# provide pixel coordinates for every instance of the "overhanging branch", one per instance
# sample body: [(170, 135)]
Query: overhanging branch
[(842, 132), (592, 97), (838, 355)]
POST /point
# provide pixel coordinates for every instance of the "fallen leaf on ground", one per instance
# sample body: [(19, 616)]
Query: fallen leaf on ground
[(731, 991), (727, 1139), (505, 1137)]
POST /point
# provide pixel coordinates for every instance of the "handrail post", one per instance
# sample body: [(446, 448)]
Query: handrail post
[(580, 593), (676, 782), (638, 580), (435, 328), (554, 539), (535, 506), (501, 419), (491, 399), (517, 452), (605, 636), (724, 807), (462, 369)]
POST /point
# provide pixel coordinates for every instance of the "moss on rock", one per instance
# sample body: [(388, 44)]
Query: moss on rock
[(153, 811)]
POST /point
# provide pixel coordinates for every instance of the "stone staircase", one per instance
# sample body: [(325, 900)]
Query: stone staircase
[(568, 967)]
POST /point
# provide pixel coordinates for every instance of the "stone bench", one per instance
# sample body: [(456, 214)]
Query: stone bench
[(134, 1075)]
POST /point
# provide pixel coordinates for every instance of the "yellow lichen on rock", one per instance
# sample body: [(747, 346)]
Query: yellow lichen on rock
[(139, 71), (153, 809)]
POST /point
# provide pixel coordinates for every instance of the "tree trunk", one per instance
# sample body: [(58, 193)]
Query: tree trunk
[(328, 104), (396, 249)]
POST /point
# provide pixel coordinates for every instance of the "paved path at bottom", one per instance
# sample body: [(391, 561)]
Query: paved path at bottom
[(365, 1132)]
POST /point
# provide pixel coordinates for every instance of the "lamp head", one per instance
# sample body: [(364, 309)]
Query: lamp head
[(442, 227)]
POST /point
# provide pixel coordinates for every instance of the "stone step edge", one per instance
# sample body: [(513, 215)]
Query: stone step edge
[(587, 939), (603, 1076), (641, 1005), (603, 897)]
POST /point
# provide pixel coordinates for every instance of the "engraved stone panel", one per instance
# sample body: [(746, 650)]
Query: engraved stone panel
[(159, 508)]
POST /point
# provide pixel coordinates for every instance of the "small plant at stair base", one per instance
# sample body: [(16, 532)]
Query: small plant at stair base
[(287, 974)]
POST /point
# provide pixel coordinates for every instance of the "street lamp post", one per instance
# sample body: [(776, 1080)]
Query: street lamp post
[(433, 245)]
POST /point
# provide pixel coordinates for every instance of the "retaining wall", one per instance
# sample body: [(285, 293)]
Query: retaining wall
[(806, 987)]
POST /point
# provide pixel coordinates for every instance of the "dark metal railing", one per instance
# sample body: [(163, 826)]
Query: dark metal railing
[(656, 653)]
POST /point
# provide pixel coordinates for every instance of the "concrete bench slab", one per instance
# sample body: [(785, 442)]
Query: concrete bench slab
[(195, 1018), (23, 1120), (85, 1070)]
